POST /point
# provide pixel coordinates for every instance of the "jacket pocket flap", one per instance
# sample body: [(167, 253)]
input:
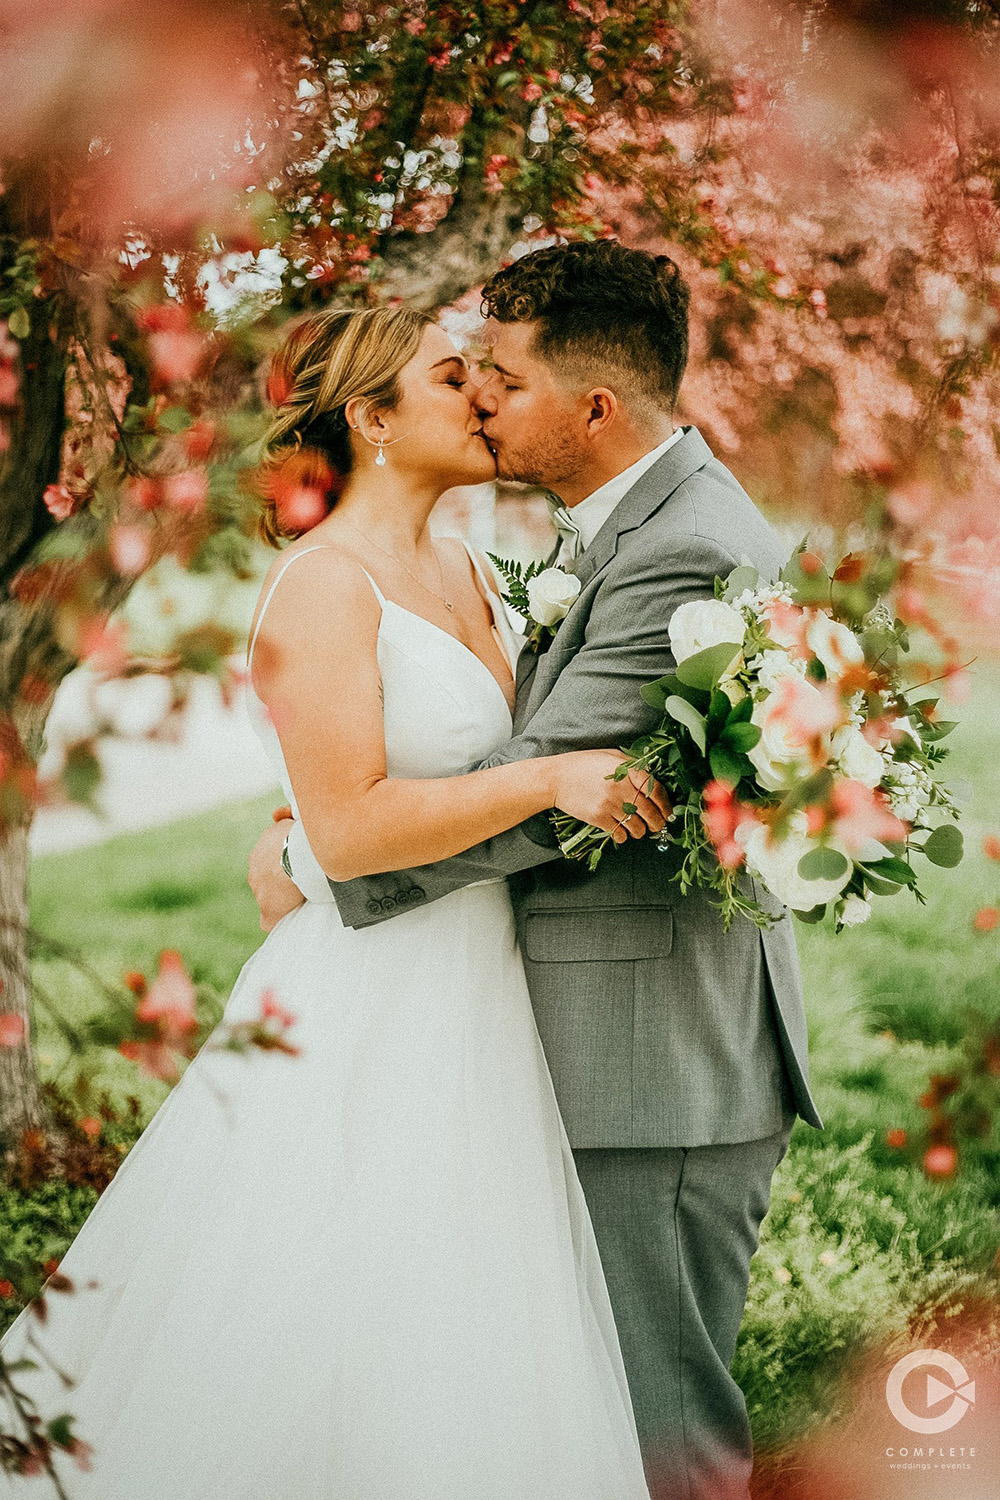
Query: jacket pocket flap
[(598, 935)]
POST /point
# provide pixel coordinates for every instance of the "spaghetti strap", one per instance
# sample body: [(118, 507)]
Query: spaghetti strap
[(378, 592), (319, 547)]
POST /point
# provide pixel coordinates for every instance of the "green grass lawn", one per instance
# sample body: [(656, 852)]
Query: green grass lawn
[(858, 1248)]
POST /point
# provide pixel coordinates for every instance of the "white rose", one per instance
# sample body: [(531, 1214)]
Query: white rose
[(777, 862), (835, 645), (858, 760), (776, 667), (702, 623), (550, 594), (779, 753), (853, 910)]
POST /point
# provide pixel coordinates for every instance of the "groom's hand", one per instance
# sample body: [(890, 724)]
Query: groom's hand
[(274, 893)]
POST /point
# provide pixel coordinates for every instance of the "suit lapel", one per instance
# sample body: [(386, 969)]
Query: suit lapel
[(651, 490)]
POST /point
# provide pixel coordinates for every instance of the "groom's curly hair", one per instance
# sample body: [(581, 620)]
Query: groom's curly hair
[(600, 306)]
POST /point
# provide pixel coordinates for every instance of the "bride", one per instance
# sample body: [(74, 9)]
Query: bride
[(366, 1272)]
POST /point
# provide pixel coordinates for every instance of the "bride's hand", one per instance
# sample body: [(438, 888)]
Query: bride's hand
[(584, 791)]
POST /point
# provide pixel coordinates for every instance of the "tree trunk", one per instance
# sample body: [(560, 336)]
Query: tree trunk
[(28, 648), (21, 1104), (431, 270)]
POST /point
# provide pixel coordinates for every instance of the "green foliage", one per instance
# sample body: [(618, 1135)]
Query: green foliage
[(517, 578), (945, 846), (164, 895)]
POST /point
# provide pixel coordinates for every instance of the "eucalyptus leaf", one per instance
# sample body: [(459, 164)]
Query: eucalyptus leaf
[(656, 693), (808, 588), (19, 323), (823, 864), (726, 765), (704, 669), (740, 712), (739, 580), (685, 713), (896, 870), (740, 737), (881, 887), (945, 846), (816, 914), (718, 714), (929, 733)]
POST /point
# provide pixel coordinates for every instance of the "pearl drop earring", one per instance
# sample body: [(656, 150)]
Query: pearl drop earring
[(380, 455)]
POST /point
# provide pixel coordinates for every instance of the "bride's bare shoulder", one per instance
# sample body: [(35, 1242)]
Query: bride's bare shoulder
[(315, 588)]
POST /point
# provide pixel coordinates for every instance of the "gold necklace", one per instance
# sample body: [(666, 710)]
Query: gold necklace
[(399, 561)]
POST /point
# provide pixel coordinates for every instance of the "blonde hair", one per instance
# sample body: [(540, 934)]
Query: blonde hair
[(328, 359)]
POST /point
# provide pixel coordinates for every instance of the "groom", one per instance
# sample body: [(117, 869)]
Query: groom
[(678, 1052)]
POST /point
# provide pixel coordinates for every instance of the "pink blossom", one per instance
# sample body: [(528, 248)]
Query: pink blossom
[(177, 357), (186, 491), (9, 384), (910, 505), (722, 815), (144, 493), (813, 709), (60, 502), (154, 1058), (170, 1001), (103, 645), (130, 548), (12, 1029), (270, 1009), (957, 685), (861, 814), (786, 626), (301, 507)]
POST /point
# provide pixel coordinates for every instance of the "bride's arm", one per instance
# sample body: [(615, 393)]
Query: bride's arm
[(315, 668)]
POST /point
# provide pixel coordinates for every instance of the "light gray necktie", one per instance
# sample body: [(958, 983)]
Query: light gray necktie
[(569, 531)]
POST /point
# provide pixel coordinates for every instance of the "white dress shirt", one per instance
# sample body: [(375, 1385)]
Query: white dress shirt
[(588, 516)]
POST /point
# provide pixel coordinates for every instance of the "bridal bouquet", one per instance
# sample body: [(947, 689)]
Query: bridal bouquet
[(790, 750)]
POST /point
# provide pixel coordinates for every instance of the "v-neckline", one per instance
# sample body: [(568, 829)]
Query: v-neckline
[(462, 646)]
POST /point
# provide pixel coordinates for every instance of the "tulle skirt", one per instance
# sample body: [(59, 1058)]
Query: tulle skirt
[(363, 1273)]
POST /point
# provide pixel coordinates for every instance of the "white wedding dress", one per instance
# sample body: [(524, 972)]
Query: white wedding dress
[(366, 1272)]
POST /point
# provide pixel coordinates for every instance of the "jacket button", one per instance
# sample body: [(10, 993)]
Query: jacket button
[(416, 893), (388, 904), (374, 906)]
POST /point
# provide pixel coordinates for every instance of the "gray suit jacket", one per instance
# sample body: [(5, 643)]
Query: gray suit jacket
[(659, 1029)]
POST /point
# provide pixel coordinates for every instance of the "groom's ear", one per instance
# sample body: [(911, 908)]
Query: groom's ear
[(602, 409)]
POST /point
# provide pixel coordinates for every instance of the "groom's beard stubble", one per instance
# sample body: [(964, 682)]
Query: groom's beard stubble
[(545, 465)]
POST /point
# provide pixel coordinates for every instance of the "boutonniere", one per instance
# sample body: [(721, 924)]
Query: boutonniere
[(543, 596)]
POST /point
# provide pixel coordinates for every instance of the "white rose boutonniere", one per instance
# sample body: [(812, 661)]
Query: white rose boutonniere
[(544, 596)]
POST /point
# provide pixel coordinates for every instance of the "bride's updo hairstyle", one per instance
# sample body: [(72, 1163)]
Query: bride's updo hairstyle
[(327, 360)]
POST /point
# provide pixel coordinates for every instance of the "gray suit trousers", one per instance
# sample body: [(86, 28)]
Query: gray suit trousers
[(676, 1228)]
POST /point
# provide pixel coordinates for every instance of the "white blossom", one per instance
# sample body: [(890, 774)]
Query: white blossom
[(550, 595), (702, 623)]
